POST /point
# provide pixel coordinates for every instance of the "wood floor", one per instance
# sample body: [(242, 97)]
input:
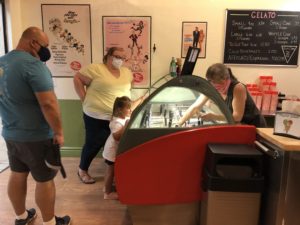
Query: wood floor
[(84, 203)]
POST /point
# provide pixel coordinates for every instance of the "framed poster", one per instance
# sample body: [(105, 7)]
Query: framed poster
[(194, 34), (3, 39), (68, 27), (133, 34)]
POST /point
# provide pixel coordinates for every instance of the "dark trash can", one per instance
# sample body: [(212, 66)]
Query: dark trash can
[(232, 183)]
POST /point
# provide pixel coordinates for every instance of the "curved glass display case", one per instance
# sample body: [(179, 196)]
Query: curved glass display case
[(166, 108), (160, 112)]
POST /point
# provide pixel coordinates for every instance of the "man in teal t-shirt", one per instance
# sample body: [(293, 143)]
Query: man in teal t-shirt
[(31, 125), (22, 76)]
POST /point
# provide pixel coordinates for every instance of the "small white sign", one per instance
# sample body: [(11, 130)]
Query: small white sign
[(287, 124)]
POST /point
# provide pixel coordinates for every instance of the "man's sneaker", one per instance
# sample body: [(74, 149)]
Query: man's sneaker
[(31, 216), (66, 220)]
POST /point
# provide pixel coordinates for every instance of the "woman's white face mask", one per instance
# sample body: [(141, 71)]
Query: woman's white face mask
[(117, 63)]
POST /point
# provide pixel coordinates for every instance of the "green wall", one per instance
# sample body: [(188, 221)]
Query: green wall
[(71, 111)]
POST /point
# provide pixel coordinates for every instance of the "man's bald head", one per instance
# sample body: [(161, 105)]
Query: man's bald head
[(32, 39), (34, 33)]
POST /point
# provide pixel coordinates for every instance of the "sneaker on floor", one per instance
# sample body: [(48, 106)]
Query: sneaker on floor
[(111, 196), (31, 216), (65, 220)]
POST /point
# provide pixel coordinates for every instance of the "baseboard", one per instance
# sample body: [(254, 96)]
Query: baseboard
[(70, 151), (74, 152)]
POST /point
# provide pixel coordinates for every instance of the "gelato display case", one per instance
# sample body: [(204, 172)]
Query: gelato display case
[(158, 168), (166, 108), (160, 112)]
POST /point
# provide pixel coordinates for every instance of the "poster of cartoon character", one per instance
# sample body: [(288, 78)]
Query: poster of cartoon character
[(133, 35), (69, 30)]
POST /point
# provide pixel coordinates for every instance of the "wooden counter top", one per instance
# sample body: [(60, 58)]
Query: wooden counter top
[(285, 143)]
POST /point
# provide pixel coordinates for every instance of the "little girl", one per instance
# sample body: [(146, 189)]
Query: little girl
[(117, 125)]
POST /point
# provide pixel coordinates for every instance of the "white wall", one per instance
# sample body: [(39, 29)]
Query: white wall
[(167, 17)]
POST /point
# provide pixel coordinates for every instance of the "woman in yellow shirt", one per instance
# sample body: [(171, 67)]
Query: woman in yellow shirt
[(97, 86)]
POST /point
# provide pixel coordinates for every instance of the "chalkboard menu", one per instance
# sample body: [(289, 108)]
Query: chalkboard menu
[(262, 37)]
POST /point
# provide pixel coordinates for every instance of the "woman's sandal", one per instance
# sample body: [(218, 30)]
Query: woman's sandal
[(85, 178)]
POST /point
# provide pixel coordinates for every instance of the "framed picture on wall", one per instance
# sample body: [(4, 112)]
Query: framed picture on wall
[(194, 34), (68, 27), (133, 34)]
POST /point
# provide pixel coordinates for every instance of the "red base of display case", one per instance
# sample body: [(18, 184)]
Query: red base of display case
[(168, 169)]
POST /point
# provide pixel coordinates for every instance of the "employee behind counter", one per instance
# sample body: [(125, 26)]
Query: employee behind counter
[(235, 95)]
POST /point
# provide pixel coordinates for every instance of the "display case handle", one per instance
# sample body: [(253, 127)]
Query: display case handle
[(273, 153)]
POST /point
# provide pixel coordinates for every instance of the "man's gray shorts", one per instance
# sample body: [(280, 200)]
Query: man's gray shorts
[(30, 157)]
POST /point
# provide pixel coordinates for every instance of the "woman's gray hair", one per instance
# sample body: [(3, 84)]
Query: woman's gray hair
[(218, 72), (110, 52)]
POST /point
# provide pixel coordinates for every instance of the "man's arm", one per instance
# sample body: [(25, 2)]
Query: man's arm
[(49, 106)]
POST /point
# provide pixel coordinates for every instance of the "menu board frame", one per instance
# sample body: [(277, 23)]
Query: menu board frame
[(262, 37)]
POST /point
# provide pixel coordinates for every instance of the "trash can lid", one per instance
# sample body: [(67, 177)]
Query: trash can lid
[(234, 149)]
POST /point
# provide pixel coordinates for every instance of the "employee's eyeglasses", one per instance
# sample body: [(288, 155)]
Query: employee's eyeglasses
[(218, 81), (118, 57)]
